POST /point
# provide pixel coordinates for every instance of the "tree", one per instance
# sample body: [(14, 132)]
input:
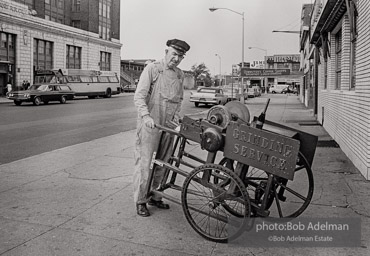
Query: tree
[(201, 75)]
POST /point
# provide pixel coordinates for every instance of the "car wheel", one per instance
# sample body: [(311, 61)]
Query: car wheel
[(17, 102), (196, 104), (108, 93), (91, 97), (273, 92), (36, 101), (63, 99)]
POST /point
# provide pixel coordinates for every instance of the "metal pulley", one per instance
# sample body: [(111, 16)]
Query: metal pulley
[(232, 111), (211, 140), (219, 115), (238, 111)]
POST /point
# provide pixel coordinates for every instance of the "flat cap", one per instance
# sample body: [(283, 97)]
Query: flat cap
[(179, 45)]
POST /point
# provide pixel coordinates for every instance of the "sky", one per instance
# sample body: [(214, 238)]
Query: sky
[(146, 25)]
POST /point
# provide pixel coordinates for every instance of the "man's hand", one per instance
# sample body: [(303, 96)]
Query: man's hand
[(148, 121), (177, 119)]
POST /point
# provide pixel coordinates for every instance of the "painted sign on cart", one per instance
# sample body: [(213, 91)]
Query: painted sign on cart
[(268, 151)]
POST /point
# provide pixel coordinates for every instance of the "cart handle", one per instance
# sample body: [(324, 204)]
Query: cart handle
[(261, 119), (166, 129), (267, 104)]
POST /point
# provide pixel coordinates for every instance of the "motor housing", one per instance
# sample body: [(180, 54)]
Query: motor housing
[(212, 139)]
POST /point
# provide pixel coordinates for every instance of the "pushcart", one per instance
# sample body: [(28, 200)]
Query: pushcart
[(251, 169)]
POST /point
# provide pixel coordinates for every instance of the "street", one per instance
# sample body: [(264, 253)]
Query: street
[(28, 130), (32, 130)]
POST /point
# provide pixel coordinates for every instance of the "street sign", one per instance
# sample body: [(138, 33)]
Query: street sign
[(247, 72), (236, 70)]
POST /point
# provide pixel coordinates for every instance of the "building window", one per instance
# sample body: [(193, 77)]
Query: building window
[(42, 54), (354, 34), (55, 10), (353, 71), (338, 59), (105, 58), (76, 23), (73, 57), (29, 3), (7, 47), (76, 5), (60, 4), (104, 19), (4, 41), (283, 65), (296, 66)]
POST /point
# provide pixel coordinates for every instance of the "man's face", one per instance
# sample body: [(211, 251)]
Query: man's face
[(173, 57)]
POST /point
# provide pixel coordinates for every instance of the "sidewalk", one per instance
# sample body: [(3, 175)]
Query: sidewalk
[(3, 99), (78, 200)]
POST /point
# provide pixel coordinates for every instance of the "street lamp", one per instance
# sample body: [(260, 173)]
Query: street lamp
[(264, 63), (253, 47), (241, 14), (219, 57)]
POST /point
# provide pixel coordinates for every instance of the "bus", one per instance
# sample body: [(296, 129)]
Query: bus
[(90, 83)]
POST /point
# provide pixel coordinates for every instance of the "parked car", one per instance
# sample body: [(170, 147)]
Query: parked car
[(232, 93), (257, 91), (129, 88), (277, 88), (289, 90), (286, 90), (253, 91), (208, 95), (42, 93)]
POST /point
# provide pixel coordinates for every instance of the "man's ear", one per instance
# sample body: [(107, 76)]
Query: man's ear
[(166, 51)]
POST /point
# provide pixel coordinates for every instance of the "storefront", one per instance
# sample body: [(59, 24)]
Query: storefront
[(285, 61), (280, 69)]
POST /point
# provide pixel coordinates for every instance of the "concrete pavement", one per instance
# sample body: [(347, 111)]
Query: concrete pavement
[(78, 200)]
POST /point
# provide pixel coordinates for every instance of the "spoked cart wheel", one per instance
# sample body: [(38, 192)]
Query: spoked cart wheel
[(230, 164), (286, 198), (203, 202)]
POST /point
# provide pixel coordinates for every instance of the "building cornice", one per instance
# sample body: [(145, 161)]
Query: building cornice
[(335, 16), (319, 17)]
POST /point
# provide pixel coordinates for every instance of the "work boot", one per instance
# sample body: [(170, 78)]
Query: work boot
[(159, 204), (142, 210)]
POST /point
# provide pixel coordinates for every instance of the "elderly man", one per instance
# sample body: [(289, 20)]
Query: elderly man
[(158, 99)]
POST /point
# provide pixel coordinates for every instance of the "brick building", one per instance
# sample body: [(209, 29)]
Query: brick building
[(52, 34), (339, 56)]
